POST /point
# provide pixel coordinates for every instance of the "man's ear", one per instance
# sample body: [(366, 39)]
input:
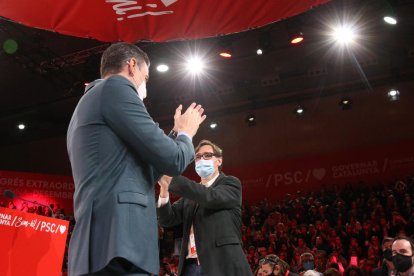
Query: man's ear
[(219, 161), (276, 270), (131, 63)]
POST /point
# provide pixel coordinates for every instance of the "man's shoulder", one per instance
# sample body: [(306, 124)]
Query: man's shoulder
[(224, 177)]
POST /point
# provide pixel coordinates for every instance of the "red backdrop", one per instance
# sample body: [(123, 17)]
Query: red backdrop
[(271, 180)]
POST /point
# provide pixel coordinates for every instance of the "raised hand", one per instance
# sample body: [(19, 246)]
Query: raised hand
[(190, 120)]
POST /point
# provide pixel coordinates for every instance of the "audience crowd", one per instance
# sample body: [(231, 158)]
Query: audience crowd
[(335, 231), (328, 231)]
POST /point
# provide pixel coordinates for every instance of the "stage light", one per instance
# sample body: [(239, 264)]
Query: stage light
[(195, 65), (299, 110), (162, 68), (225, 54), (224, 47), (259, 52), (345, 104), (294, 28), (213, 125), (344, 34), (251, 120), (390, 20), (21, 126), (393, 95), (297, 39)]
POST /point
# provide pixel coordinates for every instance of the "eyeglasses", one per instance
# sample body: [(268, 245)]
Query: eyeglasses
[(205, 156)]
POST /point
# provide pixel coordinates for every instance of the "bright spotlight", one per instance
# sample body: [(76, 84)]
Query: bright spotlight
[(393, 95), (345, 104), (162, 68), (195, 65), (344, 34), (297, 38), (390, 20), (213, 125), (21, 126), (299, 110), (259, 52), (251, 120), (225, 54)]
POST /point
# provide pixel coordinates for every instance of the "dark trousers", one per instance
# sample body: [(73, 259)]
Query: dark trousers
[(192, 268), (120, 266)]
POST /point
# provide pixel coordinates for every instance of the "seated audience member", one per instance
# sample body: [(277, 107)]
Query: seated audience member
[(312, 273), (402, 255), (387, 267), (273, 265), (306, 262)]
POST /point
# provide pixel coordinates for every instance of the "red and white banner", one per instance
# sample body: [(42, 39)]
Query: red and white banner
[(153, 20), (31, 244), (43, 188), (366, 166), (271, 180)]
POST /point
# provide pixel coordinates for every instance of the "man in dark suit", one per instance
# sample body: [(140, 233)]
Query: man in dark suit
[(210, 212), (117, 152), (387, 267)]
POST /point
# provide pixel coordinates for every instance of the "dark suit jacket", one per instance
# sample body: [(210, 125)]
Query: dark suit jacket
[(381, 271), (117, 152), (216, 215)]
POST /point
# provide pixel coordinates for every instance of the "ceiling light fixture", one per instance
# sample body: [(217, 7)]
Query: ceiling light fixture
[(393, 95), (162, 68), (299, 111), (390, 20)]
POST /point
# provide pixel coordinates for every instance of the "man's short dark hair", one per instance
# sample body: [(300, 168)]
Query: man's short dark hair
[(114, 58), (216, 149), (410, 240), (387, 239)]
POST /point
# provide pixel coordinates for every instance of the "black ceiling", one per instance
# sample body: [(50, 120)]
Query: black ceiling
[(41, 83)]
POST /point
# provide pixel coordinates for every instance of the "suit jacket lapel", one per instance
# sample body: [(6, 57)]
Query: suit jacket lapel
[(217, 181)]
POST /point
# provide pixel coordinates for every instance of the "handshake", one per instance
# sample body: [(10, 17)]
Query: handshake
[(190, 120)]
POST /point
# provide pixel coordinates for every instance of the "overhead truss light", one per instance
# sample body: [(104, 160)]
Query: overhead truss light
[(163, 68), (390, 20), (213, 125), (393, 95), (297, 38), (300, 111), (251, 120), (345, 104)]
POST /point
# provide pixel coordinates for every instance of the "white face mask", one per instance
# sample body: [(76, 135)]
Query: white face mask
[(142, 91)]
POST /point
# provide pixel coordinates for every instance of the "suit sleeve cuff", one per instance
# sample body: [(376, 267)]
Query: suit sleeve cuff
[(162, 201), (185, 134)]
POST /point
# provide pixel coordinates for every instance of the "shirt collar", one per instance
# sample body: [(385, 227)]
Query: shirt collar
[(211, 181)]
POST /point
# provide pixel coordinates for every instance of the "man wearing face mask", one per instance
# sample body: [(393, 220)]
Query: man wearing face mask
[(210, 211), (387, 267), (117, 153), (403, 255), (307, 262)]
